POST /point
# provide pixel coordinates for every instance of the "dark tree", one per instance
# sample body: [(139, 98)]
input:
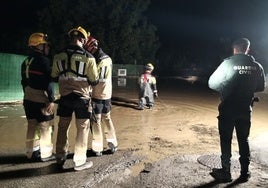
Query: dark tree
[(119, 25)]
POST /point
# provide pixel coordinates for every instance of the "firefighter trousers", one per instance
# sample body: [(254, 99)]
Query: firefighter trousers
[(81, 139), (39, 137), (97, 131)]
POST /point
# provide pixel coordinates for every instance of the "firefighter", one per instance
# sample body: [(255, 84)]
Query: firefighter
[(75, 71), (101, 100), (147, 88), (38, 99), (236, 79)]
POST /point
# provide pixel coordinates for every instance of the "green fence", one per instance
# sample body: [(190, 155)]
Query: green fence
[(10, 65), (10, 87)]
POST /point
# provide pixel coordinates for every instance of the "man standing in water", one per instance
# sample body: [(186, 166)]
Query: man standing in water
[(236, 79)]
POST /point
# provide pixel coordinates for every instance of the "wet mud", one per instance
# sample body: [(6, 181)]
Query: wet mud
[(158, 147)]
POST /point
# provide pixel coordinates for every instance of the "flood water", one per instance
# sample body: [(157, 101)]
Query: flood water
[(183, 115)]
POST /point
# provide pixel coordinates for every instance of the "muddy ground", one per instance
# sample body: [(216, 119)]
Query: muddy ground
[(159, 147)]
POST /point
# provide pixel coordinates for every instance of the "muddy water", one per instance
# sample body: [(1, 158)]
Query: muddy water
[(183, 120)]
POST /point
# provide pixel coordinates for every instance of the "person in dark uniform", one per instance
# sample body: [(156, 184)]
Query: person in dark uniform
[(236, 79), (38, 99)]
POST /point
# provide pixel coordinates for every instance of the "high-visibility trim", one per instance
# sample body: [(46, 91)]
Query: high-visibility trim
[(36, 148), (97, 144), (102, 80), (46, 151), (35, 72), (28, 63), (81, 68), (103, 72), (110, 140), (60, 65), (72, 78)]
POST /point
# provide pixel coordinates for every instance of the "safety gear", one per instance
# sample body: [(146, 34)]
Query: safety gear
[(112, 147), (109, 131), (244, 177), (84, 166), (50, 158), (37, 38), (147, 83), (80, 148), (33, 139), (78, 31), (222, 175), (98, 153), (91, 44), (149, 67)]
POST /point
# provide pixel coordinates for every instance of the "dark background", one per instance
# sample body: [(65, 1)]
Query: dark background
[(200, 30)]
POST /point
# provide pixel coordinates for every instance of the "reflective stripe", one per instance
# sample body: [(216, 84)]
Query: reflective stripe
[(28, 63), (103, 71), (62, 77), (97, 144), (59, 63), (110, 140), (35, 72), (102, 80), (81, 68), (46, 151), (30, 150)]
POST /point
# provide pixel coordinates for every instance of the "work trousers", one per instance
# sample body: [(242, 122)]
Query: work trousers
[(81, 139), (146, 95), (67, 106), (226, 124), (39, 136), (102, 123)]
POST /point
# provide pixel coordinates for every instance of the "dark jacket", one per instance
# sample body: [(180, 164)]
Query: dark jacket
[(237, 78), (35, 73)]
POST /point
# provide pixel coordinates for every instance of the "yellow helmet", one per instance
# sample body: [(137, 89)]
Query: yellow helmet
[(149, 67), (78, 31), (37, 38)]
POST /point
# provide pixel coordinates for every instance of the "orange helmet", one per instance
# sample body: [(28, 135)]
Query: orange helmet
[(78, 31), (37, 38), (91, 44)]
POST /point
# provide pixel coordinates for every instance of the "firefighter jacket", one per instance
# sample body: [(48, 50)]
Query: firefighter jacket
[(103, 90), (237, 78), (75, 70), (147, 83), (36, 81)]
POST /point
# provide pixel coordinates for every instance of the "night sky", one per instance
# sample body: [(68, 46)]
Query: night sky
[(178, 21), (210, 18)]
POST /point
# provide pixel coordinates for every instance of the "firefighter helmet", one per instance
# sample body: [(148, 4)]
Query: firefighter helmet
[(149, 67), (37, 38), (78, 31), (91, 44)]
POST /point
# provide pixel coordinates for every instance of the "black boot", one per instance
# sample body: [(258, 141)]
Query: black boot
[(221, 174), (36, 156), (244, 174)]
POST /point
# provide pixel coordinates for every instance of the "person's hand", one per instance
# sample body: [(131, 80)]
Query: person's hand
[(50, 108), (155, 94)]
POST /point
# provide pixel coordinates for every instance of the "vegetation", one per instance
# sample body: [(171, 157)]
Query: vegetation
[(119, 25)]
